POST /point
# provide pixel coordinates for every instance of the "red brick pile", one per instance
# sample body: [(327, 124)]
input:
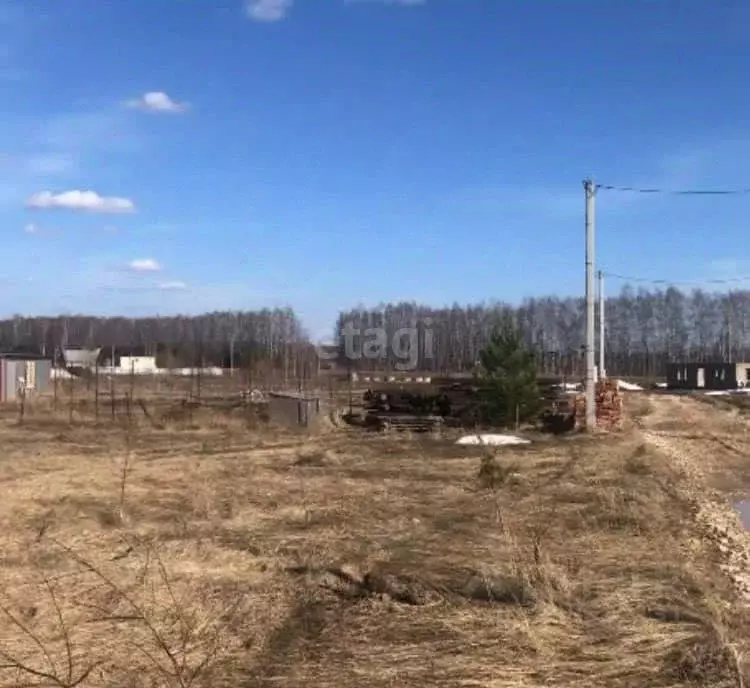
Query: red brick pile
[(609, 414)]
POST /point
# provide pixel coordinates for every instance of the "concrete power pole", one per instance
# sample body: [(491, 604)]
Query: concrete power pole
[(602, 369), (590, 189)]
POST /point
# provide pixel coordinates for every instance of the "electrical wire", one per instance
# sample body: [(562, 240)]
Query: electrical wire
[(628, 278), (675, 192)]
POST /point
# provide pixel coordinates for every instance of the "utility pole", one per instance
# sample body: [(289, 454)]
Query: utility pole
[(590, 190), (602, 369)]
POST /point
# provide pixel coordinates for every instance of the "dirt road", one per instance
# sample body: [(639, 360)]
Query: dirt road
[(711, 448)]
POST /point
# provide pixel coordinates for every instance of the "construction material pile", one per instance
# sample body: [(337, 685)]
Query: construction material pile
[(609, 414), (557, 409), (458, 403)]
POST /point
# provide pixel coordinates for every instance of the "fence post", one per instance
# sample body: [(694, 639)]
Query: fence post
[(96, 392), (132, 379), (112, 397), (71, 397), (200, 371), (250, 374), (54, 389)]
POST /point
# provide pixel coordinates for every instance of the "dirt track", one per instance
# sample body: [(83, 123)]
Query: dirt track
[(710, 448)]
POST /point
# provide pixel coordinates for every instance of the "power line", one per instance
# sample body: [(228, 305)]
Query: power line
[(675, 192), (628, 278)]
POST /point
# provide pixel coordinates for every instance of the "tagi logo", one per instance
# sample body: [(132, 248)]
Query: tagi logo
[(408, 345)]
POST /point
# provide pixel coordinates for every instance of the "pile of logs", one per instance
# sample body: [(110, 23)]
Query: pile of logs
[(458, 403), (609, 414)]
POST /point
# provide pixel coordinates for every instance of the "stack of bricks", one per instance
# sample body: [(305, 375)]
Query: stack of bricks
[(608, 406)]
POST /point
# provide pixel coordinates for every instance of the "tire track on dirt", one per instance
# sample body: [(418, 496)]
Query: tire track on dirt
[(693, 455)]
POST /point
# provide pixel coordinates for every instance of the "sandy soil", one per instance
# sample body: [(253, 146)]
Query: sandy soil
[(711, 449)]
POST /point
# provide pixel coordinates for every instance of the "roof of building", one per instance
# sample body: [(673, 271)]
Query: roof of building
[(80, 357), (24, 357)]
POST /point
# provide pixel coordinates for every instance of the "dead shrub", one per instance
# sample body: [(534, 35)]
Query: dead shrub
[(169, 633), (514, 588), (617, 509), (640, 407), (492, 474), (637, 462), (705, 660), (312, 459)]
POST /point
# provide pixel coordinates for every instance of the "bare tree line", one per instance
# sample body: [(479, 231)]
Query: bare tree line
[(210, 339), (644, 330)]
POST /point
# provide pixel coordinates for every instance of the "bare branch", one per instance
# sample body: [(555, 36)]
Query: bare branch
[(63, 628), (30, 634)]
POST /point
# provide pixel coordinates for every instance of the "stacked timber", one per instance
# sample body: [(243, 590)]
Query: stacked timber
[(452, 402), (557, 412), (402, 405), (609, 414), (404, 422), (459, 402)]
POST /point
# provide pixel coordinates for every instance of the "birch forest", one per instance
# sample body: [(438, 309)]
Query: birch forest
[(644, 329)]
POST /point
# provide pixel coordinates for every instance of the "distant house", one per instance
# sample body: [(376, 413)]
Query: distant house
[(138, 365), (80, 358), (23, 374), (707, 375)]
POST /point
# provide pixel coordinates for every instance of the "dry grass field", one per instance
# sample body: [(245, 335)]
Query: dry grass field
[(214, 554)]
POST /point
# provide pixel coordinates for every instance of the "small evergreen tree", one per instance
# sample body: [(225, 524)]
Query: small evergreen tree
[(508, 372)]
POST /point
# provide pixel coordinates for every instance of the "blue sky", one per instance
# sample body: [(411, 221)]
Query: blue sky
[(328, 153)]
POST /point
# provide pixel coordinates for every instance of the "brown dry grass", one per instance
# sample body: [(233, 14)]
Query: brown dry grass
[(737, 403), (217, 556)]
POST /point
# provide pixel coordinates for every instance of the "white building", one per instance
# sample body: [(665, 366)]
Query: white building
[(139, 365), (77, 357)]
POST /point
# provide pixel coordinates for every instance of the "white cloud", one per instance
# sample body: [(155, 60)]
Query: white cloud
[(157, 101), (83, 201), (21, 171), (175, 285), (31, 228), (144, 265), (267, 10)]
